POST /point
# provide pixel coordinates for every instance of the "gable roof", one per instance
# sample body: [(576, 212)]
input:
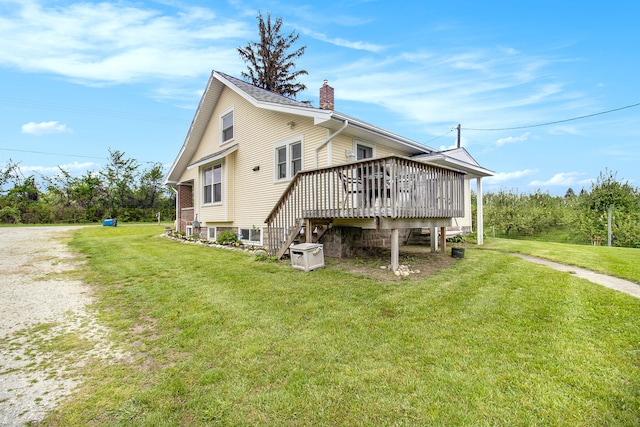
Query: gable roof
[(458, 158), (333, 120), (258, 97)]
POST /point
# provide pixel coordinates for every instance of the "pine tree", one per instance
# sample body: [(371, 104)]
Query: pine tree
[(269, 63)]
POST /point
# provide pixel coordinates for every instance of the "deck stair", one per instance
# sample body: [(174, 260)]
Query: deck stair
[(388, 188)]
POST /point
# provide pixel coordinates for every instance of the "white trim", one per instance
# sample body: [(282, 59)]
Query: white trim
[(202, 183), (250, 229), (318, 114), (479, 212), (215, 233), (357, 142), (221, 155), (224, 114), (287, 143)]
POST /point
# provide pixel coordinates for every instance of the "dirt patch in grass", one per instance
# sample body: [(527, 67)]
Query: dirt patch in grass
[(374, 263)]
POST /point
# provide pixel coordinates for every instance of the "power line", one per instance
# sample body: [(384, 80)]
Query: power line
[(557, 121), (91, 110), (52, 154), (69, 155), (438, 137)]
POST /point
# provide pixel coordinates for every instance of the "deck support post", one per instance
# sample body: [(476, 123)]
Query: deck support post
[(434, 239), (308, 232), (395, 249), (443, 239), (479, 213)]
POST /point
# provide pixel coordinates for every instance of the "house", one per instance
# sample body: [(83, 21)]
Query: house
[(275, 171)]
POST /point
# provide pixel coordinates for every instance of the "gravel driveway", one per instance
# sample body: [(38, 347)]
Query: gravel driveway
[(38, 302)]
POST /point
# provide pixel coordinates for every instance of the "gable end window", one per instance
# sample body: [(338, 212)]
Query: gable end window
[(288, 159), (227, 127), (364, 151), (212, 188)]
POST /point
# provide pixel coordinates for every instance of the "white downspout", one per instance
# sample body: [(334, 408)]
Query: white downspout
[(329, 138), (175, 222)]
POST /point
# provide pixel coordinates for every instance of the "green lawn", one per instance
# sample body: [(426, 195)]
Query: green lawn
[(619, 262), (214, 337)]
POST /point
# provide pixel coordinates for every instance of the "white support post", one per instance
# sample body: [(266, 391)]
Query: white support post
[(479, 213), (434, 239), (395, 249)]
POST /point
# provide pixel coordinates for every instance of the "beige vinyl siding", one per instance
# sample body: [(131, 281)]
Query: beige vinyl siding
[(382, 150), (345, 142), (219, 212), (339, 145), (248, 195), (189, 175), (466, 220)]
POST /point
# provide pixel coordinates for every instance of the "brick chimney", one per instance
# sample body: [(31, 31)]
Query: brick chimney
[(326, 96)]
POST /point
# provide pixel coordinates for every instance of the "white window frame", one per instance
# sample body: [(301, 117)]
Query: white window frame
[(251, 233), (215, 233), (212, 167), (364, 144), (188, 231), (287, 145), (223, 115)]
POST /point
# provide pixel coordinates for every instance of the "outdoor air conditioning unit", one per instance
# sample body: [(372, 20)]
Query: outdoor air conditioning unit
[(307, 256)]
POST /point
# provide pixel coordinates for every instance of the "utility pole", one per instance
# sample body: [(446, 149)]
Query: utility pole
[(458, 135)]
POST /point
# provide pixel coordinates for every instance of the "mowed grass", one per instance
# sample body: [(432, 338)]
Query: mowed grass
[(619, 262), (214, 337)]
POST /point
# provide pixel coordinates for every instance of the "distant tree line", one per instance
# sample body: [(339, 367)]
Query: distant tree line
[(575, 218), (122, 189)]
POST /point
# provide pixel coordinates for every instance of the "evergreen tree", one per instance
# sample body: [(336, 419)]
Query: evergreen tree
[(270, 65), (569, 193)]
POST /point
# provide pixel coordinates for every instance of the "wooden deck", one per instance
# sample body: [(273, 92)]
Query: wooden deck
[(391, 188)]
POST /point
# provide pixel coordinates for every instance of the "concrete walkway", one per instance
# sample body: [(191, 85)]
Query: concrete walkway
[(621, 285)]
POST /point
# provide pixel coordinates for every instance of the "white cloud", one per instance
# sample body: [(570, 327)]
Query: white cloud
[(561, 179), (75, 168), (110, 43), (505, 177), (512, 139), (480, 88), (357, 45), (42, 128)]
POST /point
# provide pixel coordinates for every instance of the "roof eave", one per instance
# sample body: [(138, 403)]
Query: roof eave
[(421, 148), (472, 170), (199, 122)]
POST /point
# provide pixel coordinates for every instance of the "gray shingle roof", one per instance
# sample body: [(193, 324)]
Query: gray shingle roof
[(263, 95)]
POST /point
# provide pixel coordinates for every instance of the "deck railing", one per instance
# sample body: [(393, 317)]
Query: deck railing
[(389, 187)]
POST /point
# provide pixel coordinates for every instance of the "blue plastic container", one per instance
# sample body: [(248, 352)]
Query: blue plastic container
[(113, 222)]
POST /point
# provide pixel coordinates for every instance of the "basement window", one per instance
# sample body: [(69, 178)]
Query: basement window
[(252, 235)]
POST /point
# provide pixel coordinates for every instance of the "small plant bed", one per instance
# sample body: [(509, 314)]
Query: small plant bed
[(224, 241)]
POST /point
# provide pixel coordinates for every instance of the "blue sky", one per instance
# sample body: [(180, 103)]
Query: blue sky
[(80, 78)]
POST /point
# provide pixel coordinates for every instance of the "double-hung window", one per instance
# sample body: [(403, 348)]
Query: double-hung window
[(288, 159), (364, 151), (212, 189), (227, 127)]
